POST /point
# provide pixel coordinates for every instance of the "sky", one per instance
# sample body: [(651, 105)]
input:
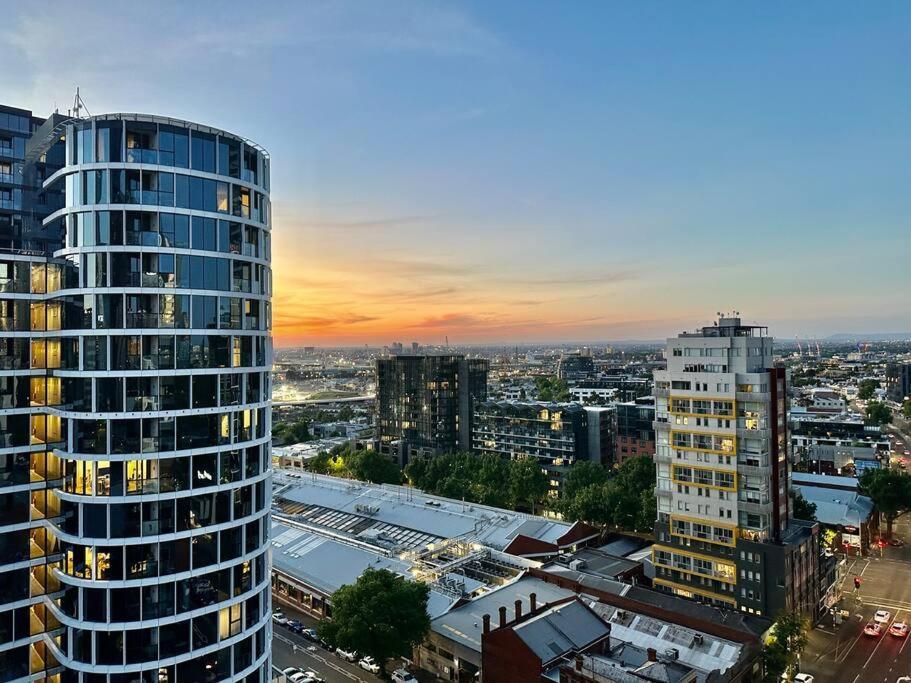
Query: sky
[(532, 171)]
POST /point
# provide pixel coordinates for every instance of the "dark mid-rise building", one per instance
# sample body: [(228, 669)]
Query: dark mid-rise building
[(554, 434), (635, 430), (898, 381), (425, 404), (135, 355), (575, 366)]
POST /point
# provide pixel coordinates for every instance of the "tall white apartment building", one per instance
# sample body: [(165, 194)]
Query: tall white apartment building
[(725, 531)]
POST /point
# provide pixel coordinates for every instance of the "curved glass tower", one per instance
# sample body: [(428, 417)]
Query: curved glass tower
[(148, 362)]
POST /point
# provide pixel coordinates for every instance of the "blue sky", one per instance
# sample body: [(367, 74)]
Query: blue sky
[(526, 171)]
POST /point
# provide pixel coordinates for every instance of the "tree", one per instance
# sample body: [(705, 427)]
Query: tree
[(492, 481), (866, 389), (890, 491), (803, 509), (292, 432), (527, 482), (374, 467), (906, 409), (878, 413), (583, 474), (786, 640), (381, 614), (588, 504), (552, 389), (345, 413)]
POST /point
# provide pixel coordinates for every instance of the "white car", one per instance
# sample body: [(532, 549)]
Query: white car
[(347, 655), (798, 678), (290, 671), (369, 664), (874, 629), (882, 616), (402, 676), (279, 618), (899, 629)]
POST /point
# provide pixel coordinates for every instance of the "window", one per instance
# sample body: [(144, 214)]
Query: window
[(203, 152)]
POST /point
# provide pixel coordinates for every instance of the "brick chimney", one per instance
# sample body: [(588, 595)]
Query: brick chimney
[(486, 623), (579, 661), (502, 616), (518, 609), (652, 654), (533, 600)]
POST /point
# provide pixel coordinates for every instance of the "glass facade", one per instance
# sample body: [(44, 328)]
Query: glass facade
[(136, 356)]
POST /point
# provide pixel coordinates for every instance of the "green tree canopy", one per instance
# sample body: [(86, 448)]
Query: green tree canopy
[(552, 389), (625, 500), (345, 413), (373, 466), (292, 432), (906, 409), (786, 640), (527, 482), (866, 389), (878, 413), (890, 491), (382, 614), (583, 474), (803, 509)]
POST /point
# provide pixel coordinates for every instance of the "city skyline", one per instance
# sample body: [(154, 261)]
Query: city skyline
[(494, 175)]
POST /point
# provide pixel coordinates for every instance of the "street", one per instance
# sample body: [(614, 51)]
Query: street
[(846, 654), (291, 649)]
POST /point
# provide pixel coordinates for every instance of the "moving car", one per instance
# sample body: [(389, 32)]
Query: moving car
[(279, 618), (882, 616), (402, 676), (369, 664), (899, 629), (873, 629), (896, 542), (347, 655)]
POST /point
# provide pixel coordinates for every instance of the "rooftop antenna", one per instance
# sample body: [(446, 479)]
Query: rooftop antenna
[(79, 105)]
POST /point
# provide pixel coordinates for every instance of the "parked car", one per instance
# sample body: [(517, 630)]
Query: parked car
[(798, 678), (873, 629), (896, 542), (279, 618), (295, 625), (369, 664), (347, 655), (899, 629), (313, 677), (402, 676), (290, 671), (325, 644), (310, 634), (882, 616)]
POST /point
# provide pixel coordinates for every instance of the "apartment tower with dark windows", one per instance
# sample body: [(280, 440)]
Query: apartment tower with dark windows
[(725, 530), (134, 467), (425, 403)]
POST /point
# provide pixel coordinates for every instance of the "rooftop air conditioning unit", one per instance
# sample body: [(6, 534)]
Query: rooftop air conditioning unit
[(672, 653), (576, 565), (697, 639)]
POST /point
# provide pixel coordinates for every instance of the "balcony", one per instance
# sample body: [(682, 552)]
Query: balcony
[(754, 396), (753, 508), (764, 434), (752, 471), (662, 393)]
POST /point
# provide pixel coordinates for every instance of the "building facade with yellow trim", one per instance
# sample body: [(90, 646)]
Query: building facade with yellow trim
[(725, 533)]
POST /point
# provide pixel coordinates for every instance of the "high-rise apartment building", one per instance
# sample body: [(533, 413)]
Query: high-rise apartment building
[(424, 403), (135, 352), (725, 530)]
